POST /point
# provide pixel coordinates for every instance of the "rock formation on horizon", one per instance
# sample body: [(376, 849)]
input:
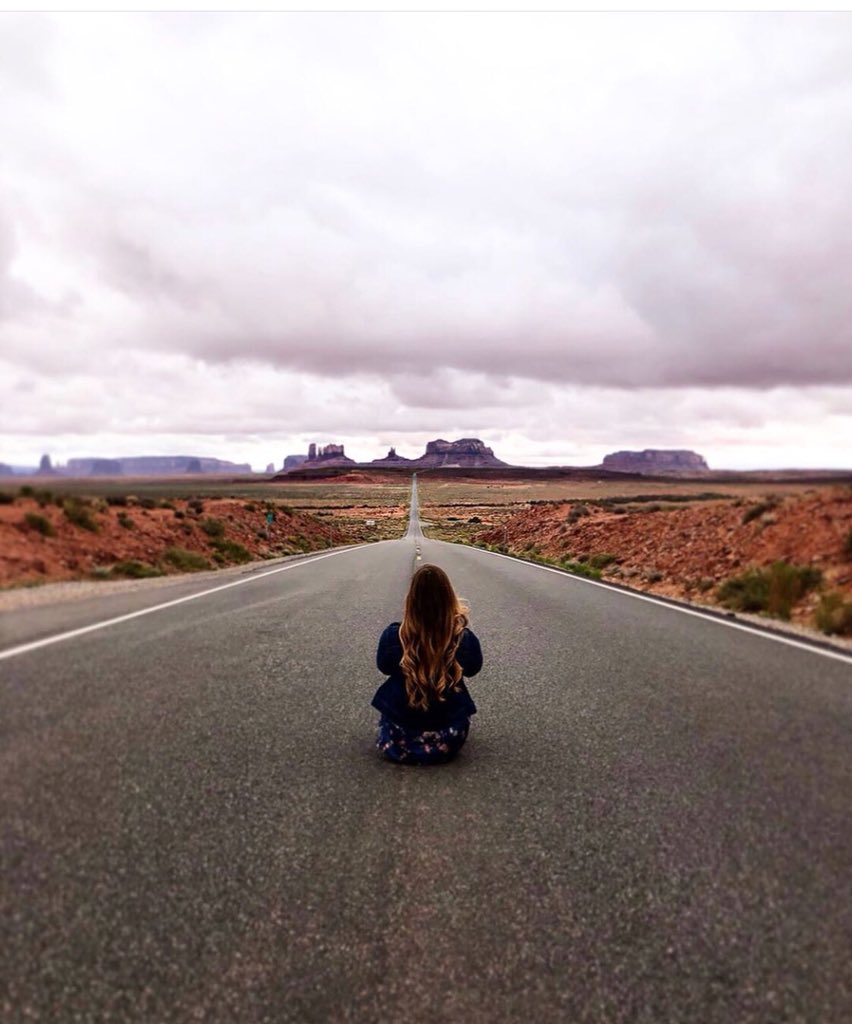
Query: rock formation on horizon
[(327, 455), (292, 461), (6, 470), (153, 465), (392, 459), (45, 467), (657, 462), (467, 452)]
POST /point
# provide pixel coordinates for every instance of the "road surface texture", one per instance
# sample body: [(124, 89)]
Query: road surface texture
[(649, 823)]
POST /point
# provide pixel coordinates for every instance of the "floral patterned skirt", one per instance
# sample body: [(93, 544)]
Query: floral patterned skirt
[(435, 747)]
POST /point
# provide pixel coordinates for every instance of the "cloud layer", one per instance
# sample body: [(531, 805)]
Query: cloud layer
[(357, 224)]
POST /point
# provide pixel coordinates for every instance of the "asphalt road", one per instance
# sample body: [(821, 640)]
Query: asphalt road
[(649, 823)]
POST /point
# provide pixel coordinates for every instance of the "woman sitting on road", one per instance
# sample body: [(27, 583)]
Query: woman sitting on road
[(424, 704)]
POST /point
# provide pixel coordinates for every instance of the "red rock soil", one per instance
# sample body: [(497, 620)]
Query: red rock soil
[(26, 556), (686, 552)]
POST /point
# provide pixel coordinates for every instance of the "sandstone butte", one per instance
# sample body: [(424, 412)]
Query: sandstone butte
[(687, 551)]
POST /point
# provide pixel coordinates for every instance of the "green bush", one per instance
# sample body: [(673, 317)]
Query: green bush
[(43, 498), (180, 514), (6, 498), (186, 561), (166, 504), (79, 514), (580, 569), (756, 511), (27, 491), (135, 570), (231, 550), (773, 589), (834, 615), (213, 528), (125, 521), (195, 505), (602, 559), (39, 523), (119, 500), (148, 503)]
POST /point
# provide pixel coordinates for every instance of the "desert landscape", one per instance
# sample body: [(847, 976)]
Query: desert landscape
[(780, 548)]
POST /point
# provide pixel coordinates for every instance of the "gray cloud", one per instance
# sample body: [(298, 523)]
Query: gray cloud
[(441, 217)]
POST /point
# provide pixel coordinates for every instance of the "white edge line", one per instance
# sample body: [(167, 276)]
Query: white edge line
[(34, 645), (768, 634)]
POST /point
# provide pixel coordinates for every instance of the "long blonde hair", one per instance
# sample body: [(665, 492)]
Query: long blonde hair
[(432, 627)]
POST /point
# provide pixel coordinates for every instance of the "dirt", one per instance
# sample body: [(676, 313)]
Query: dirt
[(52, 547), (688, 551)]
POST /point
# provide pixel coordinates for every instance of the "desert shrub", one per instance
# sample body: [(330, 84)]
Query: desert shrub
[(602, 559), (80, 515), (653, 576), (125, 521), (286, 509), (135, 570), (773, 589), (474, 519), (705, 584), (148, 503), (580, 569), (231, 550), (131, 499), (214, 528), (847, 544), (165, 503), (43, 498), (180, 514), (654, 507), (119, 500), (26, 491), (195, 505), (6, 498), (100, 572), (756, 511), (40, 524), (250, 506), (834, 615), (186, 561)]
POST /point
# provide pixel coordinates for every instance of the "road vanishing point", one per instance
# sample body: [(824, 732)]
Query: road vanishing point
[(650, 821)]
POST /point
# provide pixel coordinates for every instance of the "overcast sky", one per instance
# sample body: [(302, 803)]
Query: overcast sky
[(565, 234)]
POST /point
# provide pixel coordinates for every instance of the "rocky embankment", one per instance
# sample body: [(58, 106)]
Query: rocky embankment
[(45, 538), (717, 551)]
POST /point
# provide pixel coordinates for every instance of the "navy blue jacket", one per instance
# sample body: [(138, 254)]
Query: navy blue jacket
[(391, 700)]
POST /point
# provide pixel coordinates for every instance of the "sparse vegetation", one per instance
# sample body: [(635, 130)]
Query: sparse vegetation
[(6, 498), (214, 528), (79, 514), (847, 544), (834, 615), (195, 505), (756, 511), (186, 561), (773, 589), (125, 521), (602, 559), (579, 568), (119, 500), (232, 551), (40, 524), (135, 570)]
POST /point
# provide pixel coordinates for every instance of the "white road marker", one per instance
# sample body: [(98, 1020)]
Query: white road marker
[(34, 645), (768, 634)]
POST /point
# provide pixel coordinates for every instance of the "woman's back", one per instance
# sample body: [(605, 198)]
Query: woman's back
[(425, 657)]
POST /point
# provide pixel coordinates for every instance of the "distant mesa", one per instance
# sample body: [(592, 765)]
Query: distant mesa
[(153, 465), (293, 461), (466, 453), (327, 455), (657, 462), (6, 470)]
